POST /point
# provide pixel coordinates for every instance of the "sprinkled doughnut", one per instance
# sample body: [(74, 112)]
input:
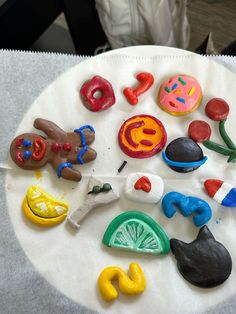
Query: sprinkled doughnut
[(179, 95), (97, 102)]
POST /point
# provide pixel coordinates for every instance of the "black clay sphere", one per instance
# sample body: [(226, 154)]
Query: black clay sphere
[(184, 155)]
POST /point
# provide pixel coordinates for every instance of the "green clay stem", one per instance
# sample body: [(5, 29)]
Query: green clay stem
[(225, 136), (218, 148), (232, 157)]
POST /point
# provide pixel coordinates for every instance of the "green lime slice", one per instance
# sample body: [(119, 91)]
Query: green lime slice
[(136, 231)]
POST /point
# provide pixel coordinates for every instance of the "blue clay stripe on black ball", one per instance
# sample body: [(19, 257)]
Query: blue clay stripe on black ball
[(183, 164)]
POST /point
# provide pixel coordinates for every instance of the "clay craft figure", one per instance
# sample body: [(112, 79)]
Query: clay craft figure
[(31, 151), (137, 232), (97, 94), (216, 109), (187, 205), (199, 131), (130, 285), (179, 95), (99, 194), (222, 192), (144, 187), (183, 155), (204, 262), (43, 209), (142, 136), (146, 81)]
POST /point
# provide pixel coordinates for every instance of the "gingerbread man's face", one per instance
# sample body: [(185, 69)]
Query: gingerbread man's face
[(29, 151)]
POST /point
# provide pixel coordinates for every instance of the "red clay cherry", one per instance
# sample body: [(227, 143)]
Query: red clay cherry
[(199, 131), (217, 109)]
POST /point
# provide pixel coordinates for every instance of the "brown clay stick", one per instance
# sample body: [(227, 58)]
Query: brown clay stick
[(50, 128), (65, 169)]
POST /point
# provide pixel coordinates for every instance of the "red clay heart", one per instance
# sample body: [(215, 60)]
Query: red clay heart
[(143, 184)]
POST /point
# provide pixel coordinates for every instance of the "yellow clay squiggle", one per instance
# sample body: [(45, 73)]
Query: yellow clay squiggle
[(132, 285)]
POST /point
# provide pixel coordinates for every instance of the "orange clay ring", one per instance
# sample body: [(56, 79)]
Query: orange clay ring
[(142, 136)]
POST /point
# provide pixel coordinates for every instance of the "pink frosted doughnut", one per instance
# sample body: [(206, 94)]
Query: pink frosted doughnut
[(179, 95)]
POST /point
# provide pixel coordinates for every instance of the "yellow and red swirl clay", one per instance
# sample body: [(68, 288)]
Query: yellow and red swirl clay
[(142, 136)]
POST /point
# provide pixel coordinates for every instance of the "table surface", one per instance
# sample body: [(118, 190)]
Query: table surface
[(24, 76)]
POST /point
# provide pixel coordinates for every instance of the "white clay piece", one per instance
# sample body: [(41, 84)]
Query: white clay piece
[(144, 187), (92, 200)]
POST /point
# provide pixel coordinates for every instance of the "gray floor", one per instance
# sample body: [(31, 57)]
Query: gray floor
[(216, 16), (205, 16)]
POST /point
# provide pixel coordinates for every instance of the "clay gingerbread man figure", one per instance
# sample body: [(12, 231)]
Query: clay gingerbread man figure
[(31, 151)]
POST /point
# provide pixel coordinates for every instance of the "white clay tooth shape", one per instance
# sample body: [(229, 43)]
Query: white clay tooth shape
[(36, 194), (149, 191), (60, 209), (42, 206), (92, 201)]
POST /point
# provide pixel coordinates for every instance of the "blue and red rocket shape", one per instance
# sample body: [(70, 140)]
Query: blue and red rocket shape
[(221, 192)]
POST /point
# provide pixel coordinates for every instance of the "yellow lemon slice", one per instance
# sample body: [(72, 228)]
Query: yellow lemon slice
[(43, 204), (43, 209)]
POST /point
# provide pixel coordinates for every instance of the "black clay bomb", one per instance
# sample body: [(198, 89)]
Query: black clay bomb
[(204, 262)]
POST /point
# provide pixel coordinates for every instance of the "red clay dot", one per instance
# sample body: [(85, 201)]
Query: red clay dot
[(199, 131), (217, 109), (67, 147), (56, 147)]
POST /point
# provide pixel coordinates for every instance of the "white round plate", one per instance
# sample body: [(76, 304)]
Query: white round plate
[(72, 262)]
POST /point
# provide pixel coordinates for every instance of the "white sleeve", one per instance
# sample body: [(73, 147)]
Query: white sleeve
[(144, 22)]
